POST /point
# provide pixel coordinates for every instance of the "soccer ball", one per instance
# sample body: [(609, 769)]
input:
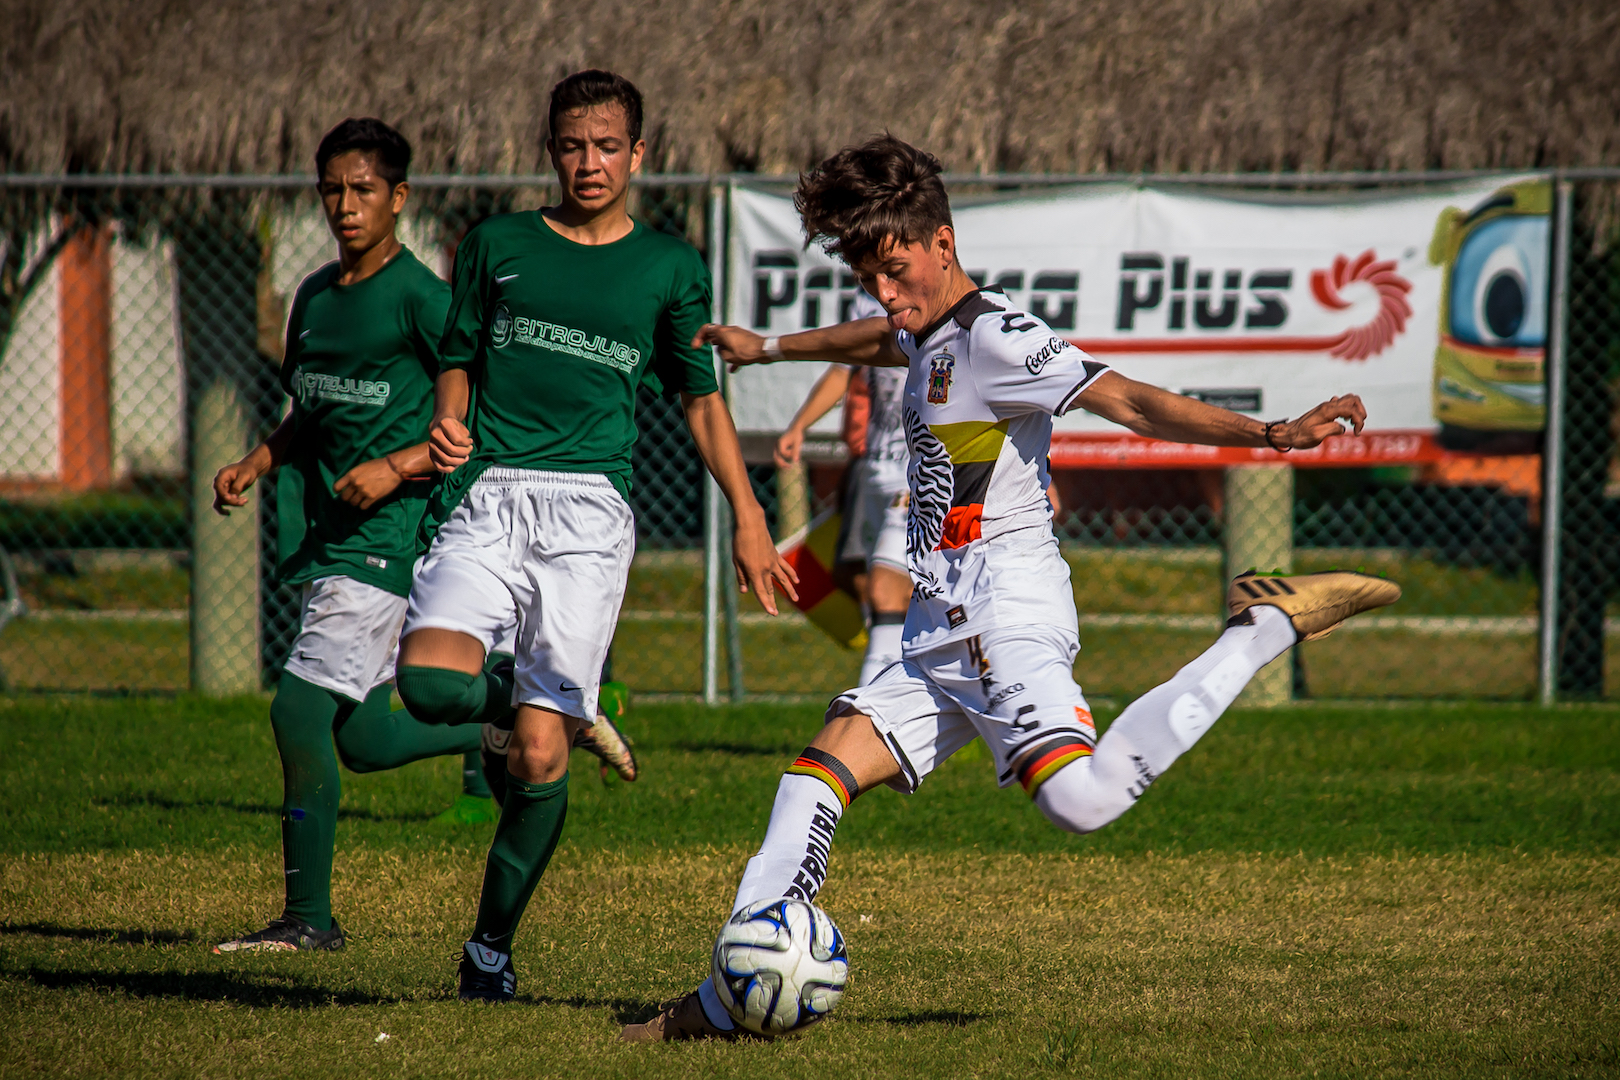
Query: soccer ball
[(779, 966)]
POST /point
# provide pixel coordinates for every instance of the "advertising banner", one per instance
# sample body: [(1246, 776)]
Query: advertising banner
[(1432, 305)]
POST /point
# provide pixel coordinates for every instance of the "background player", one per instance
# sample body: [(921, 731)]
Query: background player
[(875, 511), (556, 317), (362, 352), (991, 634)]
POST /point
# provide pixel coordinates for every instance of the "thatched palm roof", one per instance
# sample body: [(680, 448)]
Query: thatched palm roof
[(1039, 85)]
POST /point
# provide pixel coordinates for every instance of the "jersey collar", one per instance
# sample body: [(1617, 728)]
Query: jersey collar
[(964, 311)]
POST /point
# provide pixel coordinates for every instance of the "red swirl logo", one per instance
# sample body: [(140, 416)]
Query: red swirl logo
[(1370, 339)]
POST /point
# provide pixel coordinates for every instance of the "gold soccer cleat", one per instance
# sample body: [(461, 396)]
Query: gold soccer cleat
[(678, 1021), (604, 739), (1315, 603)]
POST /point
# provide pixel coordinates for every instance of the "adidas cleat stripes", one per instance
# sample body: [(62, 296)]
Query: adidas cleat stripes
[(486, 975), (1314, 603)]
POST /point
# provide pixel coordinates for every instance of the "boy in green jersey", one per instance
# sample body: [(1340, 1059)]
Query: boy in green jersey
[(557, 316), (362, 353)]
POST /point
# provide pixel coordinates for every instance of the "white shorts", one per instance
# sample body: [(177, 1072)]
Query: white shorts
[(1013, 686), (348, 636), (551, 550), (876, 530)]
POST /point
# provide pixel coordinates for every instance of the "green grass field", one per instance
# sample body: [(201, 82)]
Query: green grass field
[(659, 643), (1422, 890)]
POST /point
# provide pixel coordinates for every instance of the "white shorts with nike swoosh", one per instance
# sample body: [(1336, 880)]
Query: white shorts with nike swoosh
[(552, 549), (348, 636)]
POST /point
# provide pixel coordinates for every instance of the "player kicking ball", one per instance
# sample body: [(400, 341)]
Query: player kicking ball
[(991, 633), (556, 317), (362, 353)]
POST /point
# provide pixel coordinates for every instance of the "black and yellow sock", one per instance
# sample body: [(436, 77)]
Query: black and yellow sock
[(372, 737), (532, 818), (301, 716)]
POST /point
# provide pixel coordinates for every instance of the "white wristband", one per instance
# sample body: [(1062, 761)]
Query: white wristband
[(773, 349)]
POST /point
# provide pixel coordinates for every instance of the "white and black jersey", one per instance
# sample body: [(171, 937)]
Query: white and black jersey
[(982, 386)]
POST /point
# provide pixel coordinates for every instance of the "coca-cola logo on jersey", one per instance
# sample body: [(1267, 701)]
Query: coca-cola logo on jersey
[(1038, 359)]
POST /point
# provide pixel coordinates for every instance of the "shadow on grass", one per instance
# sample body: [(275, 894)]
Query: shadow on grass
[(83, 692), (942, 1017), (639, 1012), (223, 986), (163, 802), (715, 746), (624, 1010), (97, 933)]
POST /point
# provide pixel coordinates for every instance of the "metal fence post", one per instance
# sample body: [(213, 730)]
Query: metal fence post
[(792, 498), (1259, 534), (1553, 453), (225, 554), (713, 524), (734, 654), (711, 591)]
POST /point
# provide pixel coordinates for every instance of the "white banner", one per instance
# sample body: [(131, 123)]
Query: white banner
[(1430, 305)]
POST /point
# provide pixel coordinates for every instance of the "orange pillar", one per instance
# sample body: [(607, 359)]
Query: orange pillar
[(85, 313)]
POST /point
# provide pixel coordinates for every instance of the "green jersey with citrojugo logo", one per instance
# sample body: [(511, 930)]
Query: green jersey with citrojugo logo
[(359, 368), (557, 336)]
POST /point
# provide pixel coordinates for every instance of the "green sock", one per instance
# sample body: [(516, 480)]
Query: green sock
[(472, 773), (443, 696), (373, 738), (301, 717), (531, 823)]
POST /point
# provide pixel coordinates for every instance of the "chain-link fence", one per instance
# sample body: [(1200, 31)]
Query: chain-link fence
[(142, 331), (139, 338)]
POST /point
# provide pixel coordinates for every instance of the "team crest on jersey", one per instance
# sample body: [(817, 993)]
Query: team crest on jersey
[(939, 377), (500, 327)]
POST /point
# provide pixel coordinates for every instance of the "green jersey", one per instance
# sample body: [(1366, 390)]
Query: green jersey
[(556, 337), (360, 365)]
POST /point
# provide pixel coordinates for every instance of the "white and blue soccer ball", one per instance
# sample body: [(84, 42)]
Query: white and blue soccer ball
[(779, 966)]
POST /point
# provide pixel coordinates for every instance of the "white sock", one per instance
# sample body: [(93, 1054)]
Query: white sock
[(882, 645), (1161, 725), (793, 859), (712, 1008)]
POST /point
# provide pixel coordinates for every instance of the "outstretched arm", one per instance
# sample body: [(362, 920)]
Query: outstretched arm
[(1159, 414), (827, 392), (759, 566), (859, 341), (233, 480)]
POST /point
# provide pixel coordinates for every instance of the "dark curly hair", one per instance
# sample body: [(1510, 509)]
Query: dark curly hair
[(368, 135), (583, 89), (865, 195)]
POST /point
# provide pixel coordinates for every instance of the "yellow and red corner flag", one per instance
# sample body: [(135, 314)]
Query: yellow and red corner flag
[(811, 552)]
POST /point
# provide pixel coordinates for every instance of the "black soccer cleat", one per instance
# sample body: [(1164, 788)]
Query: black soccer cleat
[(286, 934), (486, 975)]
